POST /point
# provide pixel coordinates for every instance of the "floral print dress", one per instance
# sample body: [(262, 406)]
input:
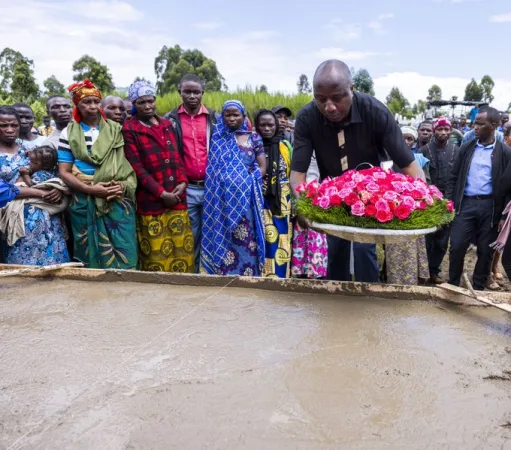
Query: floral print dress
[(44, 242)]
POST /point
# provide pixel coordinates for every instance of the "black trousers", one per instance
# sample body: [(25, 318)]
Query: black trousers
[(365, 261), (474, 220), (506, 258), (436, 246)]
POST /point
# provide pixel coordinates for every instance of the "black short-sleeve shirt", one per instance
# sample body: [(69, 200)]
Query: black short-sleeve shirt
[(370, 134)]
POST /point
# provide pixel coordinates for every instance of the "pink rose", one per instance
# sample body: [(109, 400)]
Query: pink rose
[(399, 177), (358, 209), (450, 206), (313, 185), (417, 195), (358, 177), (421, 205), (315, 200), (336, 200), (408, 201), (435, 193), (301, 188), (365, 196), (349, 185), (324, 202), (331, 191), (382, 205), (390, 196), (373, 187), (370, 210), (351, 199), (384, 216), (398, 186), (380, 175), (429, 200), (408, 186), (368, 179), (345, 192), (402, 212)]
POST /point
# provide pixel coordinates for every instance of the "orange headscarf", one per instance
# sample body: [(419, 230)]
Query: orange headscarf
[(79, 91)]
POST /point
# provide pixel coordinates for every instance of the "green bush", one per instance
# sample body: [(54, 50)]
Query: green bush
[(253, 101)]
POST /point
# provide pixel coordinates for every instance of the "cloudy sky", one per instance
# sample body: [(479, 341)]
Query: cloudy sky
[(446, 42)]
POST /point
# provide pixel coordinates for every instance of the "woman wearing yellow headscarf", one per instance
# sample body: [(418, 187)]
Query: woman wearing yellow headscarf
[(92, 163)]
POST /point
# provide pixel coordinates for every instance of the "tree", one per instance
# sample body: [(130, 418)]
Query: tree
[(17, 75), (396, 101), (53, 86), (487, 85), (173, 62), (473, 92), (434, 93), (140, 79), (91, 68), (303, 84), (263, 89), (363, 82)]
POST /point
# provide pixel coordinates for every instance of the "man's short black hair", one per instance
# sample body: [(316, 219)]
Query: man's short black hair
[(507, 131), (190, 77), (492, 115), (51, 97), (22, 105), (428, 122)]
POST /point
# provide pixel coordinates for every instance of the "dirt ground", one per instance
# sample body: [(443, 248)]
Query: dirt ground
[(119, 366)]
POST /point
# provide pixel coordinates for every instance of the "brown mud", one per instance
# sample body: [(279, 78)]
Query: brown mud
[(90, 365)]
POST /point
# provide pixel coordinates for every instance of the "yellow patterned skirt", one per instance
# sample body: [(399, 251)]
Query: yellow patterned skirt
[(279, 235), (165, 242)]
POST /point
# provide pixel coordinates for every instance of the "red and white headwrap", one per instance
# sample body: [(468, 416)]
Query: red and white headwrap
[(79, 91), (441, 122)]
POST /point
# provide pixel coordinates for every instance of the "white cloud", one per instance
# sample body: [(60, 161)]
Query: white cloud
[(116, 11), (59, 36), (340, 31), (377, 24), (501, 18), (415, 86), (343, 55), (207, 25)]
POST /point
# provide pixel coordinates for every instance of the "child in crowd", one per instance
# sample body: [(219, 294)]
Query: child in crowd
[(42, 159)]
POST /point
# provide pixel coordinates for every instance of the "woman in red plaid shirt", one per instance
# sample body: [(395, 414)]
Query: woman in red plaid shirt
[(164, 231)]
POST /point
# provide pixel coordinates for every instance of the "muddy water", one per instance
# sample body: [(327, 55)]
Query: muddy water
[(134, 366)]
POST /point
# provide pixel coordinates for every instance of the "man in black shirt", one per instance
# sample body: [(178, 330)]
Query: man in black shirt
[(346, 129)]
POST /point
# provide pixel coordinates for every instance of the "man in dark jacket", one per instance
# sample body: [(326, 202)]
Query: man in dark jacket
[(474, 187), (441, 154), (193, 123)]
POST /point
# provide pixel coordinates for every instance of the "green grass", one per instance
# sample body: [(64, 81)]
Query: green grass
[(436, 215), (253, 101)]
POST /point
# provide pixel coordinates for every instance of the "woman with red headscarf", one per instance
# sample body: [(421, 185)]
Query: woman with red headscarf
[(92, 163)]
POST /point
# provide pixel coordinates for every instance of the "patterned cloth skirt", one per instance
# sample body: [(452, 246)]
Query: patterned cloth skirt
[(278, 237), (165, 242), (407, 262)]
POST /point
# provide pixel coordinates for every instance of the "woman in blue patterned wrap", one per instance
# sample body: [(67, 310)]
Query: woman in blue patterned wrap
[(233, 231)]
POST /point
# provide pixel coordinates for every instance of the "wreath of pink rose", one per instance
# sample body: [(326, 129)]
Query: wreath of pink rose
[(374, 193)]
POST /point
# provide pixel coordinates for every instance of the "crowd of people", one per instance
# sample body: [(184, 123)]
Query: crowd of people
[(110, 183)]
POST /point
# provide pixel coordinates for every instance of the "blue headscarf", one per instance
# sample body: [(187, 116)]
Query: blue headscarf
[(231, 189), (139, 89)]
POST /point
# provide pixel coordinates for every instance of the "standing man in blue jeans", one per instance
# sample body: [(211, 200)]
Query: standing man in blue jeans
[(193, 123)]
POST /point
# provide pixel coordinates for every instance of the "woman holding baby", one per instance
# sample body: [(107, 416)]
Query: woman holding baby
[(31, 226)]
